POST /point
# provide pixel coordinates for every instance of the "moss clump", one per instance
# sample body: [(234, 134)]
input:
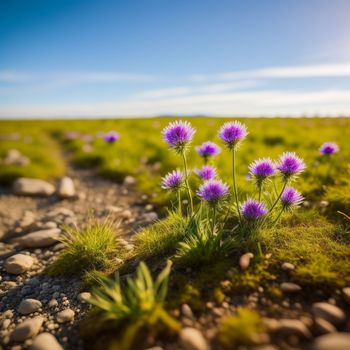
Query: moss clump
[(93, 248), (241, 329), (319, 249), (161, 238)]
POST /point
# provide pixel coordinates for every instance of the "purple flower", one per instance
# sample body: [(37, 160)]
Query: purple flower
[(212, 191), (329, 148), (232, 133), (173, 180), (178, 134), (208, 149), (290, 164), (111, 136), (206, 172), (253, 210), (291, 198), (262, 169)]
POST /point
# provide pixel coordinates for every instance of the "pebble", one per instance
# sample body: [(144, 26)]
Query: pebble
[(334, 341), (329, 312), (27, 329), (66, 188), (129, 180), (286, 266), (33, 187), (65, 316), (323, 327), (38, 239), (244, 260), (288, 327), (186, 311), (53, 303), (84, 296), (150, 217), (5, 323), (192, 339), (45, 341), (289, 287), (27, 306), (346, 294), (18, 263)]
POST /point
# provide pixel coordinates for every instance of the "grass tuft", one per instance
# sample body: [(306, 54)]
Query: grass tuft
[(93, 248), (241, 329)]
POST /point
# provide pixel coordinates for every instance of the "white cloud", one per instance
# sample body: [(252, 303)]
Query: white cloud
[(253, 103)]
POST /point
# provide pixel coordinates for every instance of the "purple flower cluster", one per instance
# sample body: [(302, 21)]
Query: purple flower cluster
[(212, 191), (111, 136), (329, 148), (291, 198), (206, 172), (173, 180), (253, 210), (178, 134), (208, 149), (290, 164), (261, 169), (232, 133)]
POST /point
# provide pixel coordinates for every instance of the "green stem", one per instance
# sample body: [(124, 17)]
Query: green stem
[(179, 200), (234, 183), (260, 189), (278, 216), (279, 196), (186, 182), (214, 220)]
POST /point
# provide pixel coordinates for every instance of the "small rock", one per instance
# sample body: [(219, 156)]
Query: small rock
[(14, 157), (244, 260), (186, 311), (39, 239), (27, 306), (329, 312), (192, 339), (5, 323), (84, 296), (288, 327), (286, 266), (33, 187), (289, 287), (323, 327), (334, 341), (129, 180), (27, 329), (346, 294), (150, 217), (66, 188), (53, 303), (126, 214), (18, 263), (45, 341), (65, 315)]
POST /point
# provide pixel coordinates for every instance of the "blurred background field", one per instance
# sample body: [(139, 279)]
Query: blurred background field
[(142, 153)]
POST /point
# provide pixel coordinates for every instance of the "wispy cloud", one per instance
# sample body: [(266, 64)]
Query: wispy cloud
[(305, 71), (251, 103)]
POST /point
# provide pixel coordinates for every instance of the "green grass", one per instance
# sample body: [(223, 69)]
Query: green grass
[(240, 329), (161, 238), (132, 309), (88, 250)]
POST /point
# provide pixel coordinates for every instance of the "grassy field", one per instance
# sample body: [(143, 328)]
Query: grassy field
[(142, 152)]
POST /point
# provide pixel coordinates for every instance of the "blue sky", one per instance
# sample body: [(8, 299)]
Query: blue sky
[(131, 58)]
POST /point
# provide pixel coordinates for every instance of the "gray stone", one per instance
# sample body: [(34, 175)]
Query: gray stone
[(289, 287), (65, 316), (39, 239), (18, 263), (45, 341), (323, 327), (27, 306), (27, 329), (186, 311), (286, 266), (66, 188), (14, 157), (129, 180), (329, 312), (193, 339), (84, 296), (244, 260), (288, 327), (334, 341), (150, 217), (33, 187)]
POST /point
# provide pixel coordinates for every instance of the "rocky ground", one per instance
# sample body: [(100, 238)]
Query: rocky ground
[(44, 313)]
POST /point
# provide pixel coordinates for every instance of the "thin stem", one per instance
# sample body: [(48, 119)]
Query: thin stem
[(186, 182), (279, 196), (214, 220), (278, 216), (179, 201), (234, 182), (260, 189)]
